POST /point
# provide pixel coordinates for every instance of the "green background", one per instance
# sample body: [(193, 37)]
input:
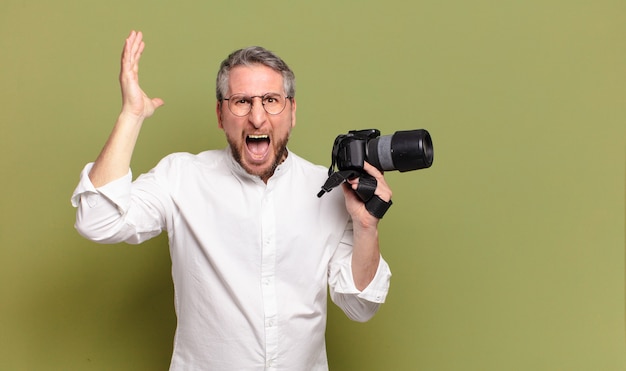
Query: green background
[(508, 254)]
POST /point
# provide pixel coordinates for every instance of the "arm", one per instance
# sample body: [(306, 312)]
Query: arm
[(358, 304), (114, 159), (366, 252)]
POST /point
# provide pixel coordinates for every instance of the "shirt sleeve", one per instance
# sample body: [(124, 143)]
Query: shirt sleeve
[(358, 305), (108, 214)]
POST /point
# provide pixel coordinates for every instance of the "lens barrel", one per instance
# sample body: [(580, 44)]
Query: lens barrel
[(404, 151)]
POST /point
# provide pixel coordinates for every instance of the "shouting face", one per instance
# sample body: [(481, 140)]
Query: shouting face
[(258, 139)]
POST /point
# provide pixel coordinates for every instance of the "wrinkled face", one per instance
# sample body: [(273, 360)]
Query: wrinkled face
[(258, 140)]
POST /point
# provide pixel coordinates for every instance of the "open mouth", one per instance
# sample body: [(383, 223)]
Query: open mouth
[(258, 145)]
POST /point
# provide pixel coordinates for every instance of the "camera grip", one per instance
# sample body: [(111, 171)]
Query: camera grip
[(377, 207), (373, 204), (366, 187)]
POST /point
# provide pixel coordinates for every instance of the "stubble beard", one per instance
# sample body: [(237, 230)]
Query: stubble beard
[(264, 174)]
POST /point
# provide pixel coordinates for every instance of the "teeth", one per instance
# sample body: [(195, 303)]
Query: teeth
[(258, 136)]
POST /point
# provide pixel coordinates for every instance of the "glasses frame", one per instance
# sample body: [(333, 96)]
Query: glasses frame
[(251, 98)]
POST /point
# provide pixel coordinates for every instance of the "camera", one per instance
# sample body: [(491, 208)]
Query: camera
[(403, 151)]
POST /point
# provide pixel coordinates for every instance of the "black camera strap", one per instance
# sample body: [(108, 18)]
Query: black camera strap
[(365, 190), (335, 179), (366, 187), (373, 204), (377, 206)]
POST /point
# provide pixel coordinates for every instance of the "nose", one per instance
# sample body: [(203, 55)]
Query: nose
[(257, 115)]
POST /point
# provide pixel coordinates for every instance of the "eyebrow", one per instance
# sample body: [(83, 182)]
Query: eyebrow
[(258, 95)]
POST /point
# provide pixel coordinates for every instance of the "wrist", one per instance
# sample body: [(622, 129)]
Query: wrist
[(127, 116), (366, 224)]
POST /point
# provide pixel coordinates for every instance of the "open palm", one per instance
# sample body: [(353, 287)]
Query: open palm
[(134, 100)]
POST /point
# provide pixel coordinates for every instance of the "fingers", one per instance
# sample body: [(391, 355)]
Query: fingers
[(137, 47), (356, 208), (382, 188), (371, 170), (134, 43), (348, 188), (134, 100), (133, 48)]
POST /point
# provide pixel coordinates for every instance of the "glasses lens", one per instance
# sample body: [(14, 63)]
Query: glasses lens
[(274, 103), (239, 105)]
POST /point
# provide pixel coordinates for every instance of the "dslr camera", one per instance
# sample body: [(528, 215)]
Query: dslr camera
[(402, 151)]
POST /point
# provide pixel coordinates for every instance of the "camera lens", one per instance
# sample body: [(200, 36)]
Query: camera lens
[(404, 151)]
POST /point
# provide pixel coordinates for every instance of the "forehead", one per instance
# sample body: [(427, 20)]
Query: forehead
[(255, 79)]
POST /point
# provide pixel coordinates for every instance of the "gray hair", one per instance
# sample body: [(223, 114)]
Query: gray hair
[(250, 56)]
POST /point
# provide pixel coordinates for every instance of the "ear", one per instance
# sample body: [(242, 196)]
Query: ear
[(218, 112), (293, 112)]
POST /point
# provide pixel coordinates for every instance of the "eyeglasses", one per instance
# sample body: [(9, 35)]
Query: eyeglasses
[(241, 105)]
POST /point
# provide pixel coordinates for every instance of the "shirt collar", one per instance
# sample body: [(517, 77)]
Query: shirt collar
[(240, 172)]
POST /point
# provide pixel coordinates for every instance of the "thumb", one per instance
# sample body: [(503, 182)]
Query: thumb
[(348, 191), (157, 102)]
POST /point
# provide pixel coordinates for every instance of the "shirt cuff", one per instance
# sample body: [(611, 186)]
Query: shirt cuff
[(375, 292), (117, 191)]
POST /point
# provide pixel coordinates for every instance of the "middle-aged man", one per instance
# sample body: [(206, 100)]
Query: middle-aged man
[(253, 249)]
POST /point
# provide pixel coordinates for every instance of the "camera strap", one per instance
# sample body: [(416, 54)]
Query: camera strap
[(377, 206), (336, 178), (373, 204), (365, 190)]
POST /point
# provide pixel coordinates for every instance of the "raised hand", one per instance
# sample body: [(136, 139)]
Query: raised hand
[(134, 100), (114, 159)]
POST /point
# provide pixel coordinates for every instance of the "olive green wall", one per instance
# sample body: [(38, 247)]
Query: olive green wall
[(508, 254)]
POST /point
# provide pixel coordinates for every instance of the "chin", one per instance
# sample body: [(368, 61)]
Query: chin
[(266, 169), (259, 169), (263, 170)]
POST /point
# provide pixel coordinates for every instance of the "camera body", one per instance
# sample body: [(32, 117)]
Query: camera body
[(402, 151), (350, 150)]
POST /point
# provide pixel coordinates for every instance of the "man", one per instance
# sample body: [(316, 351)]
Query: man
[(253, 249)]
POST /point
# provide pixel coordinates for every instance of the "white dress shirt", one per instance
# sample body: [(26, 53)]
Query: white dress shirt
[(251, 262)]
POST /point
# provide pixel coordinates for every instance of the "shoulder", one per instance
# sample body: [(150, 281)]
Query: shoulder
[(183, 160), (179, 171), (185, 167), (311, 177), (305, 166)]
